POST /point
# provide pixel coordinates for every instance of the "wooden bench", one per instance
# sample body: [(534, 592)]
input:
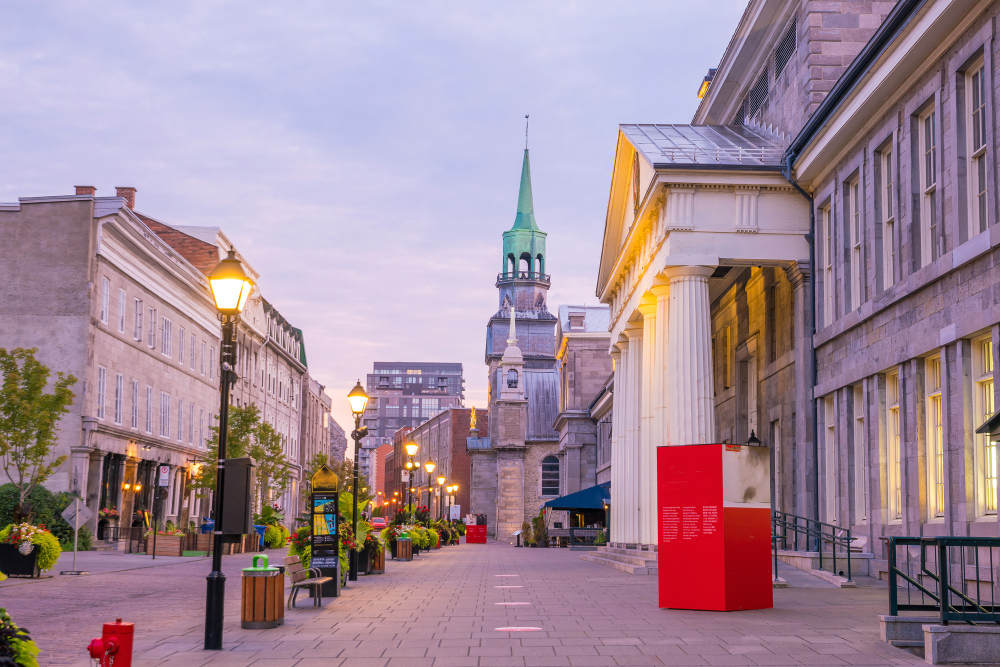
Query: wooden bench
[(300, 578)]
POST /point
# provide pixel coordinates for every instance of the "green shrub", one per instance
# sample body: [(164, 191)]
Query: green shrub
[(432, 538), (16, 646), (461, 527), (273, 537), (525, 532), (600, 539)]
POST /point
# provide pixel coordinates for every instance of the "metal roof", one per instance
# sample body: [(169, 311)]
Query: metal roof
[(706, 145), (541, 388), (596, 318)]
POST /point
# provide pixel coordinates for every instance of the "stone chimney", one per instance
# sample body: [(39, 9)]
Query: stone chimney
[(128, 194), (85, 189)]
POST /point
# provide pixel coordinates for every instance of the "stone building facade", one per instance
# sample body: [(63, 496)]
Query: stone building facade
[(839, 218), (338, 441), (103, 298), (584, 366), (314, 431)]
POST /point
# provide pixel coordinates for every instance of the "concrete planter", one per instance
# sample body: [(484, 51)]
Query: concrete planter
[(961, 644)]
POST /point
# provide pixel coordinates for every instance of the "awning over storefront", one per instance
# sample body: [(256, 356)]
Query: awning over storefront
[(991, 427), (593, 498)]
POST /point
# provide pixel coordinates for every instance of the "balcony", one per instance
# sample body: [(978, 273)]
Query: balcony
[(532, 276)]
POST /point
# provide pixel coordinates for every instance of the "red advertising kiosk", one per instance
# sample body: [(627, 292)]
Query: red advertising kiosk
[(715, 527)]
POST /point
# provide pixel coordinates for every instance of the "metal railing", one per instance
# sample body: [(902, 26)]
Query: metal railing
[(815, 535), (963, 601), (523, 275)]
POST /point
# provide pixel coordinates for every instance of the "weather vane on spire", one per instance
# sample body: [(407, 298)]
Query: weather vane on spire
[(525, 131)]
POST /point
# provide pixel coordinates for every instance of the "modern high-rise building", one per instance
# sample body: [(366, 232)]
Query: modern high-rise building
[(407, 394)]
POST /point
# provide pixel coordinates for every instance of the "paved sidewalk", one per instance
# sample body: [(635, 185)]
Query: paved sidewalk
[(445, 609)]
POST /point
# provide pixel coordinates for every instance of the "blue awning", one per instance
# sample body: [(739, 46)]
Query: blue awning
[(587, 499)]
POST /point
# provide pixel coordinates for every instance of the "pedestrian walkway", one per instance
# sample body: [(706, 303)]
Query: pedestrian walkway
[(477, 605)]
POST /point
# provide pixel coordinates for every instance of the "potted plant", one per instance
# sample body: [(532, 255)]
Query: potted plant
[(27, 550), (169, 541), (526, 533), (375, 548), (540, 530)]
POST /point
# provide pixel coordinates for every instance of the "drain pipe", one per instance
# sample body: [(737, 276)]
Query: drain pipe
[(811, 240)]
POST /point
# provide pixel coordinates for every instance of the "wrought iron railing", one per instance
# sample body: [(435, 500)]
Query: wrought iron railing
[(815, 536), (935, 591), (523, 275)]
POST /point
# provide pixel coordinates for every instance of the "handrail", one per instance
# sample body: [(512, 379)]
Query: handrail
[(523, 275), (966, 608), (815, 530)]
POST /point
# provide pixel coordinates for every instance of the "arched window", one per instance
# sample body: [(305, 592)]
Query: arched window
[(525, 266), (511, 263), (541, 264), (512, 379), (550, 476)]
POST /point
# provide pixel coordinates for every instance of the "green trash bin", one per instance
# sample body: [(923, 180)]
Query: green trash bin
[(263, 594)]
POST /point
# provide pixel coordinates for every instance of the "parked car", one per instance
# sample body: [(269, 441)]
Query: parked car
[(378, 523)]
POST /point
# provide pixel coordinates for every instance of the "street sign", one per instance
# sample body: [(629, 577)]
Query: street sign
[(406, 475), (455, 512), (164, 476), (77, 513)]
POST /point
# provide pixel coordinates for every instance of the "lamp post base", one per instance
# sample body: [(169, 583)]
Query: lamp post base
[(214, 602)]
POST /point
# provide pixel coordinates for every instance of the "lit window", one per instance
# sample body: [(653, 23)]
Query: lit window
[(928, 188), (986, 450), (888, 220), (895, 467), (977, 94), (935, 438)]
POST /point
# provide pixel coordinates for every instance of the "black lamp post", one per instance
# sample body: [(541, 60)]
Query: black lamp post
[(411, 451), (358, 400), (230, 288), (441, 481)]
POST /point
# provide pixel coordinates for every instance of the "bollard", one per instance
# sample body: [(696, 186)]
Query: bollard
[(114, 646)]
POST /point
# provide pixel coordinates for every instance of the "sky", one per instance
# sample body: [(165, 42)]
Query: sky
[(364, 156)]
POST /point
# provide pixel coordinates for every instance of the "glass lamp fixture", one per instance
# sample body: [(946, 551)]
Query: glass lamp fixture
[(231, 287), (411, 448), (440, 481), (429, 466), (358, 399)]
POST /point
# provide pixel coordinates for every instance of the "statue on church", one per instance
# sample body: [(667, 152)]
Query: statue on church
[(472, 419)]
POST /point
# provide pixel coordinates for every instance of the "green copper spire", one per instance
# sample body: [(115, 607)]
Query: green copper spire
[(525, 206)]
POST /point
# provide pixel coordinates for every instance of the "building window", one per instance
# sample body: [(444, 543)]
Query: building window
[(935, 438), (102, 388), (976, 85), (827, 235), (830, 458), (928, 188), (137, 320), (860, 457), (203, 357), (986, 450), (190, 423), (119, 396), (151, 335), (727, 351), (180, 420), (511, 378), (201, 427), (167, 337), (852, 209), (550, 476), (191, 356), (211, 363), (888, 194), (105, 298), (895, 467), (180, 347), (149, 409), (135, 404), (164, 414), (121, 311)]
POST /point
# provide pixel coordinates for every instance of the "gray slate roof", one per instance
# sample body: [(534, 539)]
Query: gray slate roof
[(596, 318), (541, 388)]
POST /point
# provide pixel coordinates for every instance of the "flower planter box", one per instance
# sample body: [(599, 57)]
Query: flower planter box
[(364, 561), (377, 562), (167, 545), (15, 564), (392, 548)]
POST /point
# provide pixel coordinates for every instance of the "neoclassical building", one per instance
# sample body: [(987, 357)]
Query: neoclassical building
[(812, 260)]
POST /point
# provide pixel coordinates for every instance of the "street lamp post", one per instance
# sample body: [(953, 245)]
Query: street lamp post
[(358, 400), (411, 451), (230, 288), (440, 499), (429, 467)]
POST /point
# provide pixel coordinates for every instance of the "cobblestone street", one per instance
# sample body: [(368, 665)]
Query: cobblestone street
[(444, 610)]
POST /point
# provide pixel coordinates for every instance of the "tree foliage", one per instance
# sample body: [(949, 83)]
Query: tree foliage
[(29, 420), (249, 435), (345, 471)]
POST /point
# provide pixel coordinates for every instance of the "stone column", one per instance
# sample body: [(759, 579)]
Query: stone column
[(648, 436), (617, 409), (634, 466), (620, 445), (802, 456), (691, 409)]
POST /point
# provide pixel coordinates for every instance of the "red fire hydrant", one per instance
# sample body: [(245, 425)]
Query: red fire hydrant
[(115, 645)]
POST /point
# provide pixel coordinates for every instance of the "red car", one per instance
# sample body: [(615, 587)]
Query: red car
[(378, 523)]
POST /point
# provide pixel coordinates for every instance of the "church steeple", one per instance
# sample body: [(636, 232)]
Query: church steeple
[(525, 218)]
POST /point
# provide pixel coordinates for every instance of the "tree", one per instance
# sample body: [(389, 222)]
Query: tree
[(251, 436), (29, 420), (345, 471)]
